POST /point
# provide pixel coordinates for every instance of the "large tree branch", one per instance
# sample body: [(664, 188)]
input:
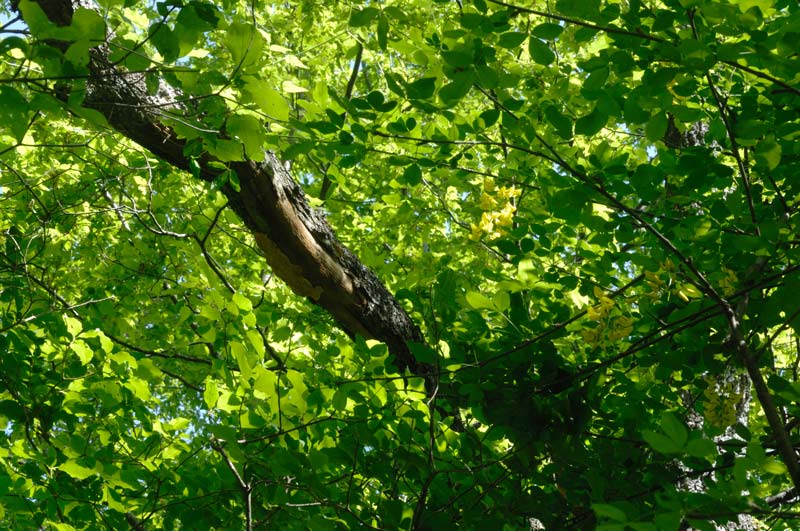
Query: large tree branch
[(296, 240)]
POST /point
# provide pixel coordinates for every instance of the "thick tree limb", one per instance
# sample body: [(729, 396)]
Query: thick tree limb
[(297, 242)]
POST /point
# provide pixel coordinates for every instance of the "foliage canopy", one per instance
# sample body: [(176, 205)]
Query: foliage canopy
[(588, 207)]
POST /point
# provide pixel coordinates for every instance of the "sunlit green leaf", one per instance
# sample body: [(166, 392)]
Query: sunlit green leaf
[(245, 44)]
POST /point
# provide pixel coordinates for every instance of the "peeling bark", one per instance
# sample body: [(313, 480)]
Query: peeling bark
[(298, 243)]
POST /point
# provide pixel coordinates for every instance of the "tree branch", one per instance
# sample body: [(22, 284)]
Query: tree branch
[(296, 240)]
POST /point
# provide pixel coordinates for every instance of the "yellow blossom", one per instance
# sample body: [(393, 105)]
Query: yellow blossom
[(653, 279), (475, 232), (621, 327), (617, 333), (494, 222), (624, 322), (595, 313), (728, 284), (506, 216), (505, 192), (487, 202), (591, 335), (606, 303), (487, 221)]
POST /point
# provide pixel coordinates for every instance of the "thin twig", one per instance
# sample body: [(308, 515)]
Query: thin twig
[(209, 259), (244, 487), (348, 93), (605, 29)]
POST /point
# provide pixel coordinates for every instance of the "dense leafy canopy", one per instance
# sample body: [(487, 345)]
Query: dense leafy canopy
[(589, 207)]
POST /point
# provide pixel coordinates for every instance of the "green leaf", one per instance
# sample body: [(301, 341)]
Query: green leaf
[(242, 302), (75, 469), (245, 44), (226, 150), (604, 510), (511, 39), (540, 51), (597, 79), (269, 100), (394, 83), (14, 111), (458, 88), (383, 32), (362, 17), (656, 127), (547, 31), (339, 401), (634, 113), (233, 178), (489, 117), (487, 77), (562, 123), (82, 350), (473, 20), (392, 199), (674, 428), (773, 466), (768, 152), (702, 448), (265, 381), (11, 43), (249, 131), (89, 25), (239, 352), (749, 129), (643, 526), (457, 58), (579, 8), (421, 88), (194, 168), (479, 301), (422, 353), (210, 393), (591, 124), (292, 88), (412, 175), (501, 301), (660, 443), (36, 19), (165, 41), (669, 521)]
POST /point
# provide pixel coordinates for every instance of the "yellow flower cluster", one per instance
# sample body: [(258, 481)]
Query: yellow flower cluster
[(611, 328), (498, 211), (664, 280), (719, 406), (659, 280), (729, 282)]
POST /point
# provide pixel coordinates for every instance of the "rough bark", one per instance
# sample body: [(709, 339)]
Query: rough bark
[(298, 243)]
